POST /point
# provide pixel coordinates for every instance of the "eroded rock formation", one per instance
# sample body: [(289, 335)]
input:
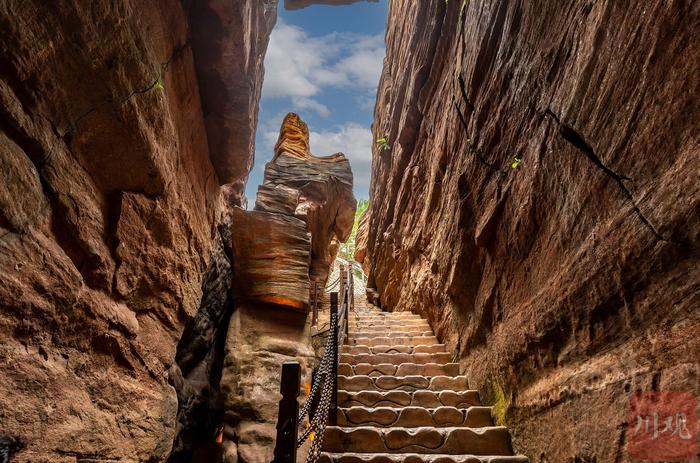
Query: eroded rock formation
[(361, 237), (109, 202), (317, 190), (539, 204), (304, 206), (299, 4)]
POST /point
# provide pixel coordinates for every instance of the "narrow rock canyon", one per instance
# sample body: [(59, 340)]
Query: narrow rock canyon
[(539, 202), (534, 204)]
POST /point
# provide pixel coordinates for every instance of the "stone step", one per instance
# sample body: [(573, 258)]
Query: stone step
[(403, 369), (419, 398), (384, 316), (413, 417), (430, 349), (493, 440), (395, 359), (388, 319), (390, 334), (394, 341), (401, 322), (415, 458), (379, 329), (358, 383)]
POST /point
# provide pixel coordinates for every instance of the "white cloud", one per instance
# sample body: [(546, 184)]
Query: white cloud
[(355, 141), (299, 66), (301, 103)]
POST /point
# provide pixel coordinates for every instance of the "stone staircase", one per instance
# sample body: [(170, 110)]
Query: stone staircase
[(401, 400)]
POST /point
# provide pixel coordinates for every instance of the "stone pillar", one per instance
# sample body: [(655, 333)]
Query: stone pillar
[(304, 206)]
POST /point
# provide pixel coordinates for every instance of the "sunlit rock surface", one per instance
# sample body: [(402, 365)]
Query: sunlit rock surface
[(571, 281), (361, 237), (317, 190), (272, 258)]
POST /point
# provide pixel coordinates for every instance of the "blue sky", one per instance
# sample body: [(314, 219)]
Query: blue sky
[(324, 63)]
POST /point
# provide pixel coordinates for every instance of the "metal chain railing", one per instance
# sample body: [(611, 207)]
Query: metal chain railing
[(323, 370), (325, 382), (317, 426)]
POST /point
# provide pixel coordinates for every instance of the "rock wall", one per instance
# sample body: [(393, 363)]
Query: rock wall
[(361, 244), (109, 202), (299, 4), (539, 204)]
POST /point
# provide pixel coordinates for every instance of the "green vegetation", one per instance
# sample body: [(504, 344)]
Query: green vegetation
[(500, 405), (516, 162), (347, 249), (159, 84), (383, 144)]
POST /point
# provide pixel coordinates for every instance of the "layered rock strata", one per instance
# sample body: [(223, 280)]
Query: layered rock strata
[(109, 202), (299, 4), (317, 190), (539, 201), (303, 207)]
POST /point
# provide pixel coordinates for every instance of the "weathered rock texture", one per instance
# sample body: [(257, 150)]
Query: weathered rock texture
[(572, 280), (361, 238), (229, 39), (303, 207), (272, 258), (317, 190), (108, 204), (299, 4)]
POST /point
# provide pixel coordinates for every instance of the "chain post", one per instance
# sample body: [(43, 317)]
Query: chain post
[(314, 316), (341, 283), (346, 305), (287, 428), (333, 411), (352, 290)]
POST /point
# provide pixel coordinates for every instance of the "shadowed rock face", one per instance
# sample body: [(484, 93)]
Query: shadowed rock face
[(570, 281), (109, 199), (229, 39), (299, 4)]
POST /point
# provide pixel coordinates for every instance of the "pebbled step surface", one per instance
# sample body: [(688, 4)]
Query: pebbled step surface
[(421, 398), (424, 349), (392, 340), (416, 458), (493, 440), (414, 417), (396, 358), (357, 383)]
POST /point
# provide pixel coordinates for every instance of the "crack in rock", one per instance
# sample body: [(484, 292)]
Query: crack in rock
[(177, 51), (576, 139)]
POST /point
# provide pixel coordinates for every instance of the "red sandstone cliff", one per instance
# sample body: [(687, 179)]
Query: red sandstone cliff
[(299, 4), (118, 122), (571, 280)]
